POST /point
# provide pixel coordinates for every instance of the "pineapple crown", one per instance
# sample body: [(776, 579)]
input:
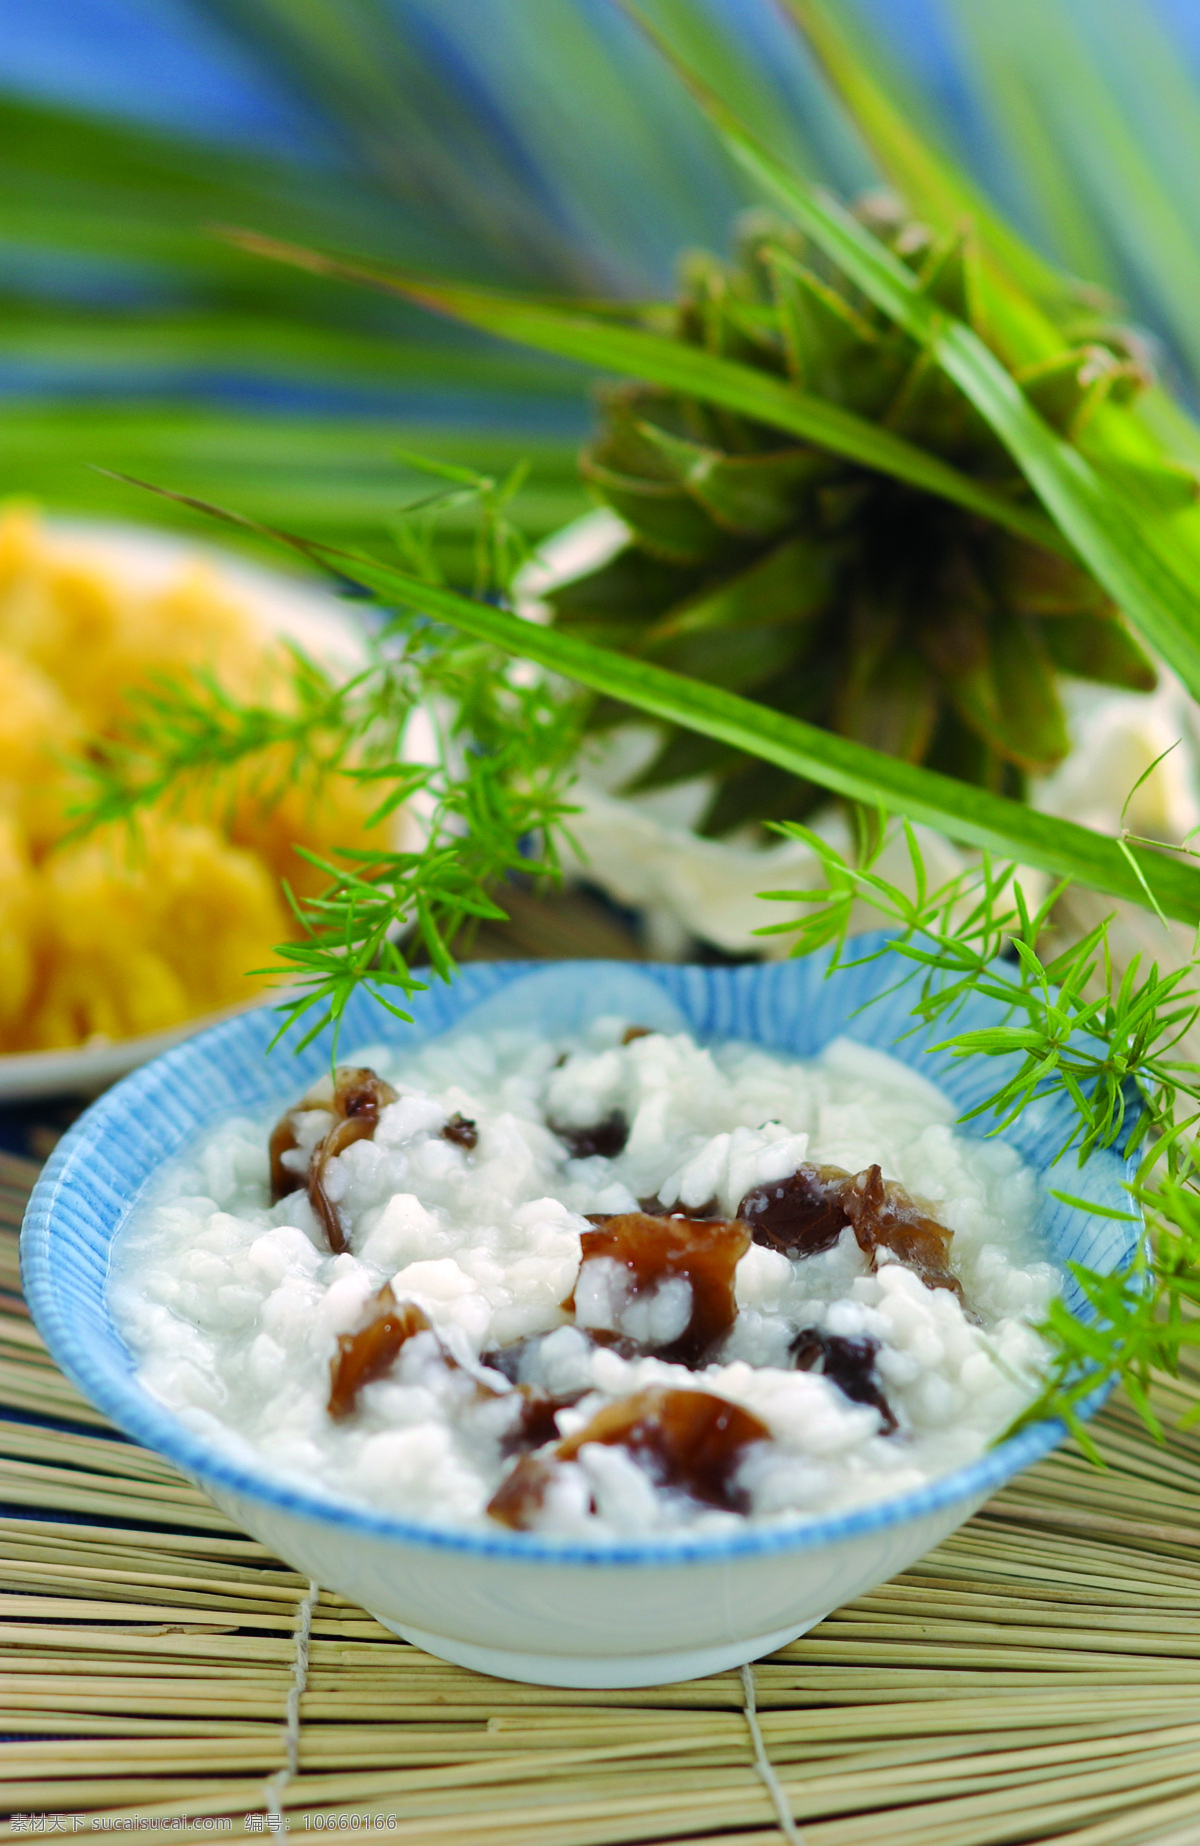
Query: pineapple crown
[(823, 588)]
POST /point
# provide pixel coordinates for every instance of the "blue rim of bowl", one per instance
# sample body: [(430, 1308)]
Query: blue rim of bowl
[(141, 1417)]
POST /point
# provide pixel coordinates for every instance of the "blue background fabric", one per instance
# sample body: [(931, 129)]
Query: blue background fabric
[(543, 143), (167, 62), (179, 65)]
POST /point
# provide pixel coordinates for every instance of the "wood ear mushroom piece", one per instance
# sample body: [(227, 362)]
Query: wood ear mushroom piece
[(807, 1213), (368, 1353), (849, 1364), (653, 1249), (536, 1420), (607, 1137), (354, 1097), (688, 1441)]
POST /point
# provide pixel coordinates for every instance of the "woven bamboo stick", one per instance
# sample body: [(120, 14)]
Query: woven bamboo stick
[(456, 1765), (106, 1454), (192, 1545)]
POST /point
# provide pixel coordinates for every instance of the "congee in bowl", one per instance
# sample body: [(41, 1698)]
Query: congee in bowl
[(595, 1283)]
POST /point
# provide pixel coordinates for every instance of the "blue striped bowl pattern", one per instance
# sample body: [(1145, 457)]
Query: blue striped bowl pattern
[(110, 1156)]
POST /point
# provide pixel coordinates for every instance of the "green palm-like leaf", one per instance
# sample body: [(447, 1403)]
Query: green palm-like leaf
[(134, 370), (339, 476), (1129, 203), (1050, 85), (599, 342)]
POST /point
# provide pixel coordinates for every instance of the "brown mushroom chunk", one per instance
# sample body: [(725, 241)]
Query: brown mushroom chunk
[(536, 1422), (462, 1132), (849, 1364), (688, 1441), (798, 1216), (341, 1136), (807, 1213), (521, 1495), (885, 1217), (367, 1354), (606, 1137), (653, 1250), (632, 1032), (284, 1140), (354, 1098)]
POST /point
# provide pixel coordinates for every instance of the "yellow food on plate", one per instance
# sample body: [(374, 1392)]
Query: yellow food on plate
[(126, 932), (18, 912), (40, 731), (301, 814), (97, 638), (138, 932)]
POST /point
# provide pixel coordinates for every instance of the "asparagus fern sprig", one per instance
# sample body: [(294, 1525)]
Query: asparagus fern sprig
[(470, 758), (1111, 1042), (1117, 1047)]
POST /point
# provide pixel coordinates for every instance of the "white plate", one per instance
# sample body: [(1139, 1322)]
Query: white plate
[(303, 612)]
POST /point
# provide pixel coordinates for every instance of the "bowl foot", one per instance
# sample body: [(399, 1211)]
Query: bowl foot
[(597, 1672)]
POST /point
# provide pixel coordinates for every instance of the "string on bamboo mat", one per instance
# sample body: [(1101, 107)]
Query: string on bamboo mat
[(273, 1792), (762, 1761), (1035, 1678)]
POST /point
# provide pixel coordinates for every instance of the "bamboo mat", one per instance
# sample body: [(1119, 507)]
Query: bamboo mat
[(1037, 1678)]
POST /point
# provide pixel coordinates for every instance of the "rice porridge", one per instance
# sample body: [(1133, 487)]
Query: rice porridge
[(614, 1283)]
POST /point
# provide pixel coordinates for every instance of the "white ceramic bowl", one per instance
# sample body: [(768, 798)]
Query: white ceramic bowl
[(616, 1613)]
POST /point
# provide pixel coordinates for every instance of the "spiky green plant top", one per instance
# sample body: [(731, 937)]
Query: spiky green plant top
[(820, 587)]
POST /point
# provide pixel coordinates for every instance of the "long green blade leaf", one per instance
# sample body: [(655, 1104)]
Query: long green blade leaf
[(930, 183), (1095, 515), (1112, 183), (970, 815), (595, 341)]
